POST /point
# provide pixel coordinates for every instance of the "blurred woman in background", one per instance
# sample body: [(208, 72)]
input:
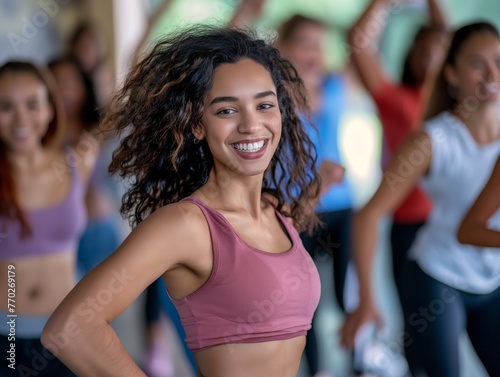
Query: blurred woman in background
[(401, 105), (42, 212), (447, 287)]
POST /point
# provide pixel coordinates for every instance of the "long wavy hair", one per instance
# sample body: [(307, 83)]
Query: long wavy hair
[(443, 96), (9, 204), (162, 102), (408, 77)]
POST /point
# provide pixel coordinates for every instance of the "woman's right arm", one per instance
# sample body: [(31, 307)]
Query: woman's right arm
[(363, 37), (474, 228), (79, 331), (399, 179)]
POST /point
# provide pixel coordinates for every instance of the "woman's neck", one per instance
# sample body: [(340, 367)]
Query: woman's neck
[(28, 160), (483, 123), (231, 191)]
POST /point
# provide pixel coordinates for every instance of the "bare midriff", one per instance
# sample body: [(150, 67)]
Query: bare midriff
[(41, 283), (278, 358)]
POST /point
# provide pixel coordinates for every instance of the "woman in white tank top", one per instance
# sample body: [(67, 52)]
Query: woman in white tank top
[(447, 287)]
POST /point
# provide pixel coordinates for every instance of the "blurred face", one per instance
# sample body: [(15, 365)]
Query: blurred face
[(71, 88), (428, 54), (25, 111), (242, 121), (88, 51), (476, 70), (305, 49)]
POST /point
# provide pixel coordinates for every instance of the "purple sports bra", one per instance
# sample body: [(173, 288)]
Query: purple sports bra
[(54, 229), (251, 295)]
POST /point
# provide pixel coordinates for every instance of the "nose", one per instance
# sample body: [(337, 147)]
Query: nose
[(21, 116), (249, 122)]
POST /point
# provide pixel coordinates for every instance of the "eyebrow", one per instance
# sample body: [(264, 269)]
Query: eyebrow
[(235, 99)]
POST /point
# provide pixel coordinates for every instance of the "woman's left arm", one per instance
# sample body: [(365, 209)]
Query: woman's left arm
[(474, 226)]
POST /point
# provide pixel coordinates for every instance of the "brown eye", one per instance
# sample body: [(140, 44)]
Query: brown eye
[(266, 106), (226, 112)]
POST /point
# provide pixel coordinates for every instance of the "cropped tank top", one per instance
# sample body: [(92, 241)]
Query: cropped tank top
[(251, 295), (54, 229)]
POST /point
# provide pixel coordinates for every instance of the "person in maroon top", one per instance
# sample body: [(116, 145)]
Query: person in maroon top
[(401, 107), (210, 115)]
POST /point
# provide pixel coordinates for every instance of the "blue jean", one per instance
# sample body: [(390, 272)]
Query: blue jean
[(100, 239)]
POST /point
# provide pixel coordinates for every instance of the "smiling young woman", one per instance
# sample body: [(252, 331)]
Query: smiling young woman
[(210, 118), (42, 211)]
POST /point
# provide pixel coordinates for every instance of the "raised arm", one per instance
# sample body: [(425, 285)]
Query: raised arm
[(436, 15), (79, 331), (364, 38), (474, 226), (247, 12), (397, 183)]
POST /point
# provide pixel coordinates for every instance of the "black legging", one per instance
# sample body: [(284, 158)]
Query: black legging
[(402, 237), (333, 239), (436, 315), (31, 359)]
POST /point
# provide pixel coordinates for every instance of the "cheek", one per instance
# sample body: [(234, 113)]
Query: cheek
[(42, 120), (5, 119)]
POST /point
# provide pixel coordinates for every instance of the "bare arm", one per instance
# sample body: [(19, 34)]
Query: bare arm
[(436, 14), (79, 331), (473, 229), (438, 21), (246, 13), (391, 192), (363, 36)]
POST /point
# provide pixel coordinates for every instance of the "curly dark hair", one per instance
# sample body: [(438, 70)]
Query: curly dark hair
[(162, 102)]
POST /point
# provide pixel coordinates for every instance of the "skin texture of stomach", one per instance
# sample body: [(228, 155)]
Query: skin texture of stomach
[(279, 358), (41, 282)]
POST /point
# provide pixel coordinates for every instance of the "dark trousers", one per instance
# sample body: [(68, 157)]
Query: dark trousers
[(436, 315), (31, 359), (402, 237)]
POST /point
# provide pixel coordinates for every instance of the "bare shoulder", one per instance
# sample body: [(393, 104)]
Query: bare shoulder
[(179, 227)]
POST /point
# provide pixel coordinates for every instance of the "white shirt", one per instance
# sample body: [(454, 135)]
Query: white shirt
[(458, 172)]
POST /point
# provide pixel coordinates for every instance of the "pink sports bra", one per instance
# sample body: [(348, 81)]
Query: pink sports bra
[(54, 229), (251, 295)]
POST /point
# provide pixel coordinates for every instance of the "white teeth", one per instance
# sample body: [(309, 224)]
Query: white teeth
[(249, 147), (22, 132), (492, 87)]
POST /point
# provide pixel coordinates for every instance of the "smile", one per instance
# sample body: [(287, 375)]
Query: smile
[(249, 147)]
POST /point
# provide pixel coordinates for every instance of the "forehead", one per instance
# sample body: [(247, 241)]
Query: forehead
[(21, 84), (307, 31), (241, 77), (480, 43)]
